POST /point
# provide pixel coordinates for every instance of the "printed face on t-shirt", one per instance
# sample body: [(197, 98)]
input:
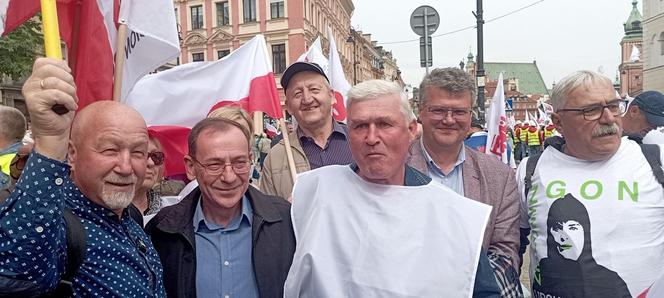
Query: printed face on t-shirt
[(569, 237)]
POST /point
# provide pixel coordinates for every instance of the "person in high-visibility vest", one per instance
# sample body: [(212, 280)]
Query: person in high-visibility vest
[(12, 130), (523, 136), (533, 139), (549, 130), (518, 150)]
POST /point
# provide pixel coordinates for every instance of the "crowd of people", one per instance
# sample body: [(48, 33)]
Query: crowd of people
[(387, 204)]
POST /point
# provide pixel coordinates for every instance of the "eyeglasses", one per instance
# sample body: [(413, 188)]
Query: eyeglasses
[(215, 169), (594, 112), (438, 113), (157, 157)]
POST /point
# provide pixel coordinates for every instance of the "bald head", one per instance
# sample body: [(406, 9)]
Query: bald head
[(102, 114), (108, 153)]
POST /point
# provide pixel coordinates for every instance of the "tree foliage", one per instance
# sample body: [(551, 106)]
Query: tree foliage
[(19, 49)]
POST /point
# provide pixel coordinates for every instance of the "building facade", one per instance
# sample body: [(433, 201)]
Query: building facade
[(630, 70), (522, 82), (653, 45), (211, 29)]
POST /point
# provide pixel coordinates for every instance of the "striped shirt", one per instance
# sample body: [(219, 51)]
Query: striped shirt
[(335, 152)]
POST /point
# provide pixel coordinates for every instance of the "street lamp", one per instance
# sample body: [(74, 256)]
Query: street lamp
[(351, 39)]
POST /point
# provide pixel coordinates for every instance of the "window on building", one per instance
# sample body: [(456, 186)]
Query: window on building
[(279, 58), (223, 19), (223, 53), (277, 9), (195, 57), (197, 17), (249, 10)]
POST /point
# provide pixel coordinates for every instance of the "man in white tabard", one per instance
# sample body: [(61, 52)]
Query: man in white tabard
[(379, 228), (594, 209), (645, 113)]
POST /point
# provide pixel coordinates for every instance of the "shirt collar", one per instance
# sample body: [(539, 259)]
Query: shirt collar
[(412, 177), (199, 216), (336, 127), (461, 157), (13, 148)]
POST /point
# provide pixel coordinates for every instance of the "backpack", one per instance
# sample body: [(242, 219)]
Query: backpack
[(650, 151), (76, 242)]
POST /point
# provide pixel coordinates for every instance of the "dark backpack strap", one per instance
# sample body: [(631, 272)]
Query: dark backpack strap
[(652, 154), (531, 163), (76, 242)]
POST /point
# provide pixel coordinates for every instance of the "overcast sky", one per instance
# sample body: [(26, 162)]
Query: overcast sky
[(562, 35)]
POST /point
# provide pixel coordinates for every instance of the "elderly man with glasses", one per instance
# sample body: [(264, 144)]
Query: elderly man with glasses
[(447, 96), (225, 238), (592, 203)]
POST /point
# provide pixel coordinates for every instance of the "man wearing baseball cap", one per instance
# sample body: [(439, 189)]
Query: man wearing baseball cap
[(317, 140), (644, 114)]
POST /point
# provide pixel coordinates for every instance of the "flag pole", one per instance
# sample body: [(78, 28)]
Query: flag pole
[(51, 30), (289, 151), (119, 60)]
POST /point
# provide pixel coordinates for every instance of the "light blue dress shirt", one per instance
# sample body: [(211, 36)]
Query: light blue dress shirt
[(453, 179), (224, 265)]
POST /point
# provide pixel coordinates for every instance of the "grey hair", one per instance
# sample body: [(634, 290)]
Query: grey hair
[(372, 89), (568, 84), (13, 124), (450, 79)]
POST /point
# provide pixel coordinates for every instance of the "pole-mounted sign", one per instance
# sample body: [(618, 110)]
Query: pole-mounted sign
[(424, 21)]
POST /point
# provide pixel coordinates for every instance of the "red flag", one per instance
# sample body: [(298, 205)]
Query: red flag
[(89, 31)]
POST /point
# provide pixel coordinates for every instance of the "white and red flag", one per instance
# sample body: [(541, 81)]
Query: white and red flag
[(334, 72), (337, 79), (152, 38), (497, 124), (88, 28), (174, 100)]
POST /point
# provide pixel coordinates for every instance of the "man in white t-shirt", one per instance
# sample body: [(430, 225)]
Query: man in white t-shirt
[(595, 210), (644, 114)]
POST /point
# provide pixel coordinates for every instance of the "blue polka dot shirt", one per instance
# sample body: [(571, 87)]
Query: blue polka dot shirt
[(120, 260)]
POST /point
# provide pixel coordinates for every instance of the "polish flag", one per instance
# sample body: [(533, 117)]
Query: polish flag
[(333, 70), (88, 28), (174, 100), (497, 122)]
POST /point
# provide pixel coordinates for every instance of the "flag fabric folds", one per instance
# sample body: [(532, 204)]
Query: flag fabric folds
[(152, 38), (88, 29), (338, 80), (180, 97), (497, 124)]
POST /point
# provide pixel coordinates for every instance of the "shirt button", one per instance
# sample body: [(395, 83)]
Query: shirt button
[(226, 263), (227, 296), (58, 181), (39, 229)]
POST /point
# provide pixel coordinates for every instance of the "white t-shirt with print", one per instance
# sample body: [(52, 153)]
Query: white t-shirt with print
[(624, 202)]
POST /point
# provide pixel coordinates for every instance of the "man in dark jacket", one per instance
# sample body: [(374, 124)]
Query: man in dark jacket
[(224, 239)]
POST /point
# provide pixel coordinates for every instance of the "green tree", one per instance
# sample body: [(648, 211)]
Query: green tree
[(20, 48)]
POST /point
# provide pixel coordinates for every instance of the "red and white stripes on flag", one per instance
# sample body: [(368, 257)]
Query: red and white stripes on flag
[(88, 29), (174, 100), (497, 124)]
